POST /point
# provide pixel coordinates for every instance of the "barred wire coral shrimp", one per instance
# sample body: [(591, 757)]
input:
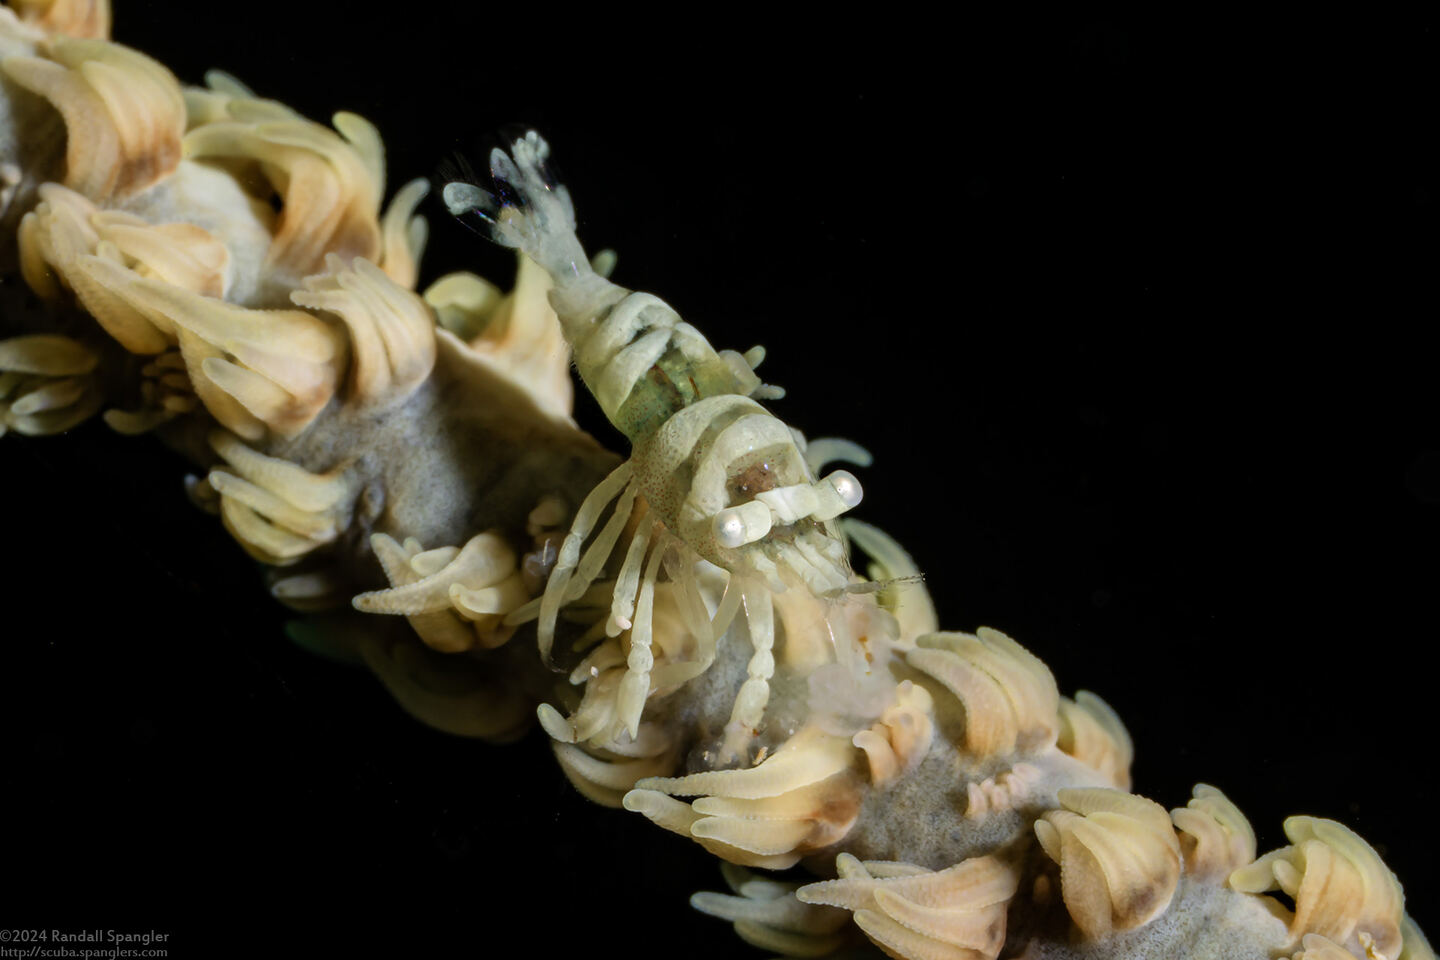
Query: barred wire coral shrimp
[(711, 473)]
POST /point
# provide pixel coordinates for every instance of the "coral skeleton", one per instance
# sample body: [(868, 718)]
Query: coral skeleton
[(708, 638)]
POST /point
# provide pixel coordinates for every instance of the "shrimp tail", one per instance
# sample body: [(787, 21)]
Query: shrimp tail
[(526, 209)]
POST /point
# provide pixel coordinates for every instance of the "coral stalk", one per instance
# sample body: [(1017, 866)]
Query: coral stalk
[(1060, 433)]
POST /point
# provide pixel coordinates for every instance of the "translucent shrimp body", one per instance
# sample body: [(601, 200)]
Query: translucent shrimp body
[(720, 477)]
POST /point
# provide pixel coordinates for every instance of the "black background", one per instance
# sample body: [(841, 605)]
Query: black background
[(1136, 316)]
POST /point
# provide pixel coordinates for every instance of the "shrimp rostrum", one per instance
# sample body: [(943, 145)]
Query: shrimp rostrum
[(712, 475)]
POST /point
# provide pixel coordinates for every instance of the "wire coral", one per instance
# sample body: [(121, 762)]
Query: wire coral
[(465, 541)]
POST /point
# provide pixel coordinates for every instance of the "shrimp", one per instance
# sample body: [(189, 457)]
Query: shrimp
[(717, 475)]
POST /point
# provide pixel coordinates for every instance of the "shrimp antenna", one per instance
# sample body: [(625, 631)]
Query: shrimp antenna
[(875, 586)]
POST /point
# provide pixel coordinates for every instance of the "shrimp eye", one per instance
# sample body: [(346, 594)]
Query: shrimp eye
[(737, 526), (847, 488)]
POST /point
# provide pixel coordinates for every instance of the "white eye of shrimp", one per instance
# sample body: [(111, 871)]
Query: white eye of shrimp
[(846, 487), (737, 526)]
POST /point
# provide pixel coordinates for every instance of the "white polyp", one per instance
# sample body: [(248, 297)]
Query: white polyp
[(666, 812), (320, 527), (801, 803), (394, 557), (304, 586), (282, 547), (47, 354), (485, 601), (747, 523), (556, 725), (878, 753), (485, 560), (260, 396), (309, 491), (547, 513), (57, 393), (653, 742), (823, 450), (616, 775), (766, 837), (427, 562)]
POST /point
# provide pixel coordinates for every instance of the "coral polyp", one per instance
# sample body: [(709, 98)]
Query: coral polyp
[(680, 610)]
